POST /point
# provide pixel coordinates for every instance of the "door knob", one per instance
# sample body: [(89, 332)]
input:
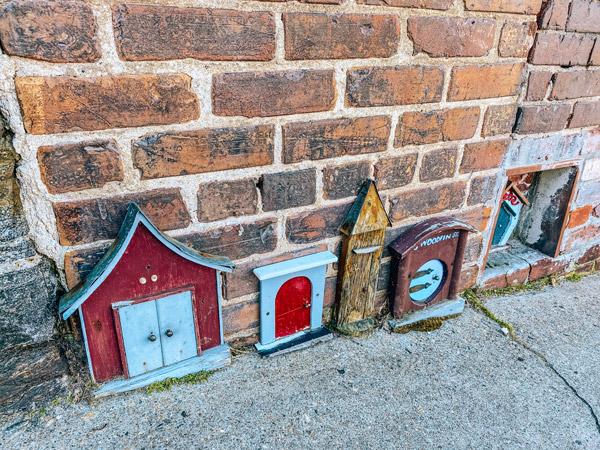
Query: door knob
[(169, 333), (151, 338)]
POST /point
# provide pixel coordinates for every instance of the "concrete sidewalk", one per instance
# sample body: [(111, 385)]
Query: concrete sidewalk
[(464, 386)]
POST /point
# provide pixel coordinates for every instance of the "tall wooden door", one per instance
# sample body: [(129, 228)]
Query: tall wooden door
[(292, 307)]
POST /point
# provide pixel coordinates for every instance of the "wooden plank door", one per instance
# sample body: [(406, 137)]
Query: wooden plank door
[(177, 329), (292, 307), (141, 337)]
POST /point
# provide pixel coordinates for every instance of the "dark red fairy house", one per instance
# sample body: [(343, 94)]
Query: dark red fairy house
[(150, 309)]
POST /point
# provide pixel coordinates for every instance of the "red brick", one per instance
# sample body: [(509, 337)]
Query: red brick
[(324, 139), (59, 32), (62, 104), (83, 221), (154, 32), (483, 190), (264, 94), (340, 36), (516, 39), (451, 36), (579, 216), (538, 85), (583, 83), (219, 200), (468, 277), (436, 126), (483, 155), (595, 56), (395, 171), (242, 280), (545, 267), (425, 201), (539, 119), (241, 317), (473, 249), (584, 17), (316, 225), (321, 2), (585, 114), (580, 237), (438, 164), (590, 254), (554, 14), (388, 86), (79, 263), (561, 49), (505, 6), (288, 189), (499, 119), (493, 80), (236, 241), (424, 4), (210, 150), (478, 217), (345, 180), (74, 167)]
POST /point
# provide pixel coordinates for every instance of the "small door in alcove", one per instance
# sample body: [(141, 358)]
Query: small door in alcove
[(292, 307)]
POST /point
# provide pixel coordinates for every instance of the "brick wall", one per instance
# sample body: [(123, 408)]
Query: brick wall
[(245, 128)]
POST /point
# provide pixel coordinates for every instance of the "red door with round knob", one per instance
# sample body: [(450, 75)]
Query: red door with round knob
[(292, 307)]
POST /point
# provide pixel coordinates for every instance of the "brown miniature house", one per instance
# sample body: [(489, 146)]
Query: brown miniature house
[(364, 232), (425, 272), (150, 309)]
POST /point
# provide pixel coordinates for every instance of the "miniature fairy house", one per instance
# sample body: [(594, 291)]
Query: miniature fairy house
[(150, 309), (508, 216), (291, 303), (364, 232), (425, 272)]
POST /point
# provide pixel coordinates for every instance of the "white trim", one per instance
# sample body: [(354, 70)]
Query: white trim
[(87, 348), (220, 301), (294, 265)]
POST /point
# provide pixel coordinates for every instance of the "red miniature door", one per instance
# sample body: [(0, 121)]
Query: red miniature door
[(292, 307)]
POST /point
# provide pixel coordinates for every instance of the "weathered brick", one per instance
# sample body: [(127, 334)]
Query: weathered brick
[(340, 36), (483, 190), (579, 216), (235, 241), (473, 249), (395, 171), (84, 221), (561, 49), (154, 32), (591, 142), (242, 280), (429, 200), (436, 126), (241, 317), (264, 94), (74, 167), (388, 86), (537, 150), (537, 85), (516, 39), (316, 225), (483, 155), (324, 139), (584, 16), (581, 237), (451, 36), (63, 104), (499, 119), (219, 200), (582, 83), (545, 267), (288, 189), (595, 56), (79, 263), (493, 80), (591, 170), (424, 4), (478, 217), (321, 2), (505, 6), (438, 164), (590, 254), (538, 119), (344, 180), (60, 32), (585, 114), (210, 150), (553, 15), (468, 277)]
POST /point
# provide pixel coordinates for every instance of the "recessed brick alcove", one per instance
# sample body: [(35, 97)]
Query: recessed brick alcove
[(536, 242)]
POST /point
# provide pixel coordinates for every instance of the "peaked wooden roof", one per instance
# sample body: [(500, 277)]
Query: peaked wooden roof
[(367, 212), (74, 298)]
